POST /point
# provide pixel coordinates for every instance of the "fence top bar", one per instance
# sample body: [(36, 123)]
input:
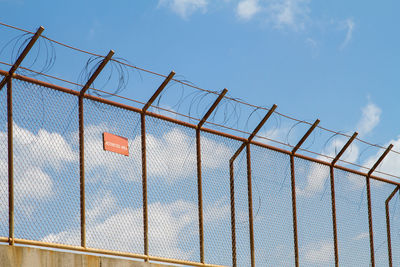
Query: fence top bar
[(253, 134), (22, 55), (212, 108), (96, 72), (303, 139), (344, 148), (380, 159), (159, 90)]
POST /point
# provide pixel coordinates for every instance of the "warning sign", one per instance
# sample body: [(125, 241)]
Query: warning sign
[(115, 143)]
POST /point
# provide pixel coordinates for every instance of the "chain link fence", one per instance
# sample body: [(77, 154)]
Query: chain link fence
[(154, 213)]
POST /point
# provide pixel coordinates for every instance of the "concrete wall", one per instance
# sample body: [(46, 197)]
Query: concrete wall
[(17, 256)]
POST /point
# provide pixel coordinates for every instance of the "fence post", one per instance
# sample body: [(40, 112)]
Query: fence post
[(293, 185), (8, 80), (21, 57), (10, 161), (250, 204), (144, 184), (232, 190), (333, 197), (82, 144), (144, 161), (199, 171), (371, 232), (389, 241)]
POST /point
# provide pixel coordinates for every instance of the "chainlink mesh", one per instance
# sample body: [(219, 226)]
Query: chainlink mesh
[(114, 215), (3, 163), (352, 219), (380, 191), (216, 152), (46, 171), (241, 210), (314, 221), (47, 190), (172, 190), (394, 216), (272, 208)]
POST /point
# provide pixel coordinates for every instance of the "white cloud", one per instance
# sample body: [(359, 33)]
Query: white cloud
[(292, 14), (313, 45), (246, 9), (361, 236), (370, 118), (283, 133), (44, 148), (320, 253), (33, 153), (123, 231), (34, 156), (348, 24), (217, 211), (170, 224), (32, 180), (184, 8), (102, 205), (281, 14)]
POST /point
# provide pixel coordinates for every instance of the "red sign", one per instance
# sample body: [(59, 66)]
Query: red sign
[(115, 143)]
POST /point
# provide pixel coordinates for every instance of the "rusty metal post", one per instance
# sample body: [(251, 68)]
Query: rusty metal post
[(10, 161), (333, 198), (144, 184), (82, 172), (250, 204), (389, 241), (144, 162), (233, 221), (82, 144), (232, 191), (199, 172), (22, 56), (371, 232), (293, 185)]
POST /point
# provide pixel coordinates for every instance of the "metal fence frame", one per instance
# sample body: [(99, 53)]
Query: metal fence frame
[(199, 128), (245, 143)]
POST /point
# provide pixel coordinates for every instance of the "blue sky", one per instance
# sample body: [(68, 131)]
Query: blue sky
[(336, 61)]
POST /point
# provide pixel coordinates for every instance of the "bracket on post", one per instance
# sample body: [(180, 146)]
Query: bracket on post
[(96, 72), (212, 108), (158, 92), (341, 152), (255, 131), (380, 160), (22, 56), (303, 139)]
